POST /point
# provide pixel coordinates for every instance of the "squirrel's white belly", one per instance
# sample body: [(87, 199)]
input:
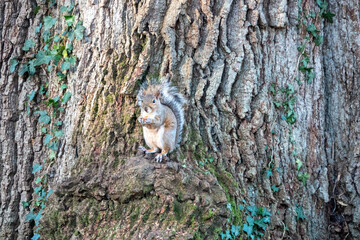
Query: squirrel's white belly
[(154, 138)]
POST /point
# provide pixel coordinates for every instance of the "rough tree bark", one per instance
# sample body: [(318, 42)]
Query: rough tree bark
[(224, 56)]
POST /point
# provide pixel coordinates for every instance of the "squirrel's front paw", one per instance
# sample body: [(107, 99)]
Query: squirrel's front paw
[(147, 121)]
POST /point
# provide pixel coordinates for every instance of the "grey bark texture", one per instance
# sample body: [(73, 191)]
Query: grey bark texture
[(223, 56)]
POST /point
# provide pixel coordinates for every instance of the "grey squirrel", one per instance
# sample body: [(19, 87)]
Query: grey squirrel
[(162, 118)]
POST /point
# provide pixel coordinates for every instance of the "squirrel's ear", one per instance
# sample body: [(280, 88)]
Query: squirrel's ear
[(157, 94)]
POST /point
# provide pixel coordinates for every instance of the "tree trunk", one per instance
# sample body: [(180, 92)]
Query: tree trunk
[(237, 62)]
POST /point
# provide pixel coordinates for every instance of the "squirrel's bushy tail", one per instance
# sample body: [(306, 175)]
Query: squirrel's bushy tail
[(170, 97)]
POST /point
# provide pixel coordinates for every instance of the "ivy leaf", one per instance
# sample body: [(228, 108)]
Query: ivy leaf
[(42, 58), (312, 29), (65, 66), (241, 207), (25, 204), (299, 212), (38, 28), (228, 206), (310, 77), (274, 188), (47, 139), (235, 230), (79, 31), (268, 173), (37, 167), (58, 123), (265, 212), (43, 129), (250, 220), (63, 86), (46, 35), (58, 133), (28, 45), (72, 60), (66, 97), (49, 22), (36, 10), (38, 179), (30, 216), (71, 35), (260, 223), (23, 70), (63, 9), (44, 119), (57, 38), (252, 209), (69, 20), (64, 53), (318, 40), (32, 69), (36, 236), (52, 155), (248, 229), (31, 95), (53, 146), (328, 16), (13, 64), (299, 164)]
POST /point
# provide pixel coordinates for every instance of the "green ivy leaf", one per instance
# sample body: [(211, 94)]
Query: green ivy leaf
[(49, 22), (63, 86), (66, 97), (37, 167), (248, 229), (318, 40), (274, 188), (72, 60), (63, 9), (47, 139), (69, 20), (312, 29), (328, 16), (36, 236), (30, 216), (52, 155), (299, 164), (31, 65), (38, 28), (44, 119), (58, 133), (46, 35), (71, 35), (25, 204), (268, 173), (79, 31), (58, 123), (38, 179), (31, 95), (36, 10), (57, 38), (252, 209), (53, 146), (28, 45), (42, 58), (277, 104), (43, 130), (13, 64), (65, 66)]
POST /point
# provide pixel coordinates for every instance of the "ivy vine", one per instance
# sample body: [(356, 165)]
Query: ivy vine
[(52, 55)]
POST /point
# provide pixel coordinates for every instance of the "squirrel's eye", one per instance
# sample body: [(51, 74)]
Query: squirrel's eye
[(154, 101)]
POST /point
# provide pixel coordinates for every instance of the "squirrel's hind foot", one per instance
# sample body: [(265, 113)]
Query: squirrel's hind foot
[(161, 156)]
